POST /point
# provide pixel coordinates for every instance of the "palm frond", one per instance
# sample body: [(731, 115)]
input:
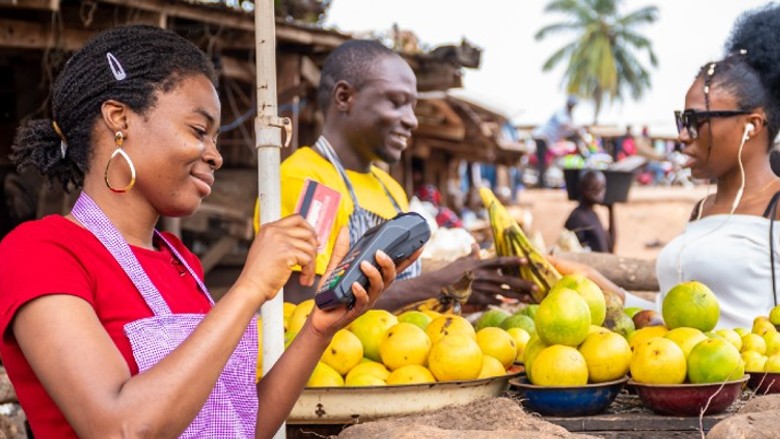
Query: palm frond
[(602, 56)]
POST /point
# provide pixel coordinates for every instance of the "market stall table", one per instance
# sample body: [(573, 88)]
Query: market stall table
[(626, 418)]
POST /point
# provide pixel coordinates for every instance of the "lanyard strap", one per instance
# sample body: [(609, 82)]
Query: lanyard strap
[(92, 217), (323, 147)]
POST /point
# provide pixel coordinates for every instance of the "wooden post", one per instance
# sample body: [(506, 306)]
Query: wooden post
[(268, 142)]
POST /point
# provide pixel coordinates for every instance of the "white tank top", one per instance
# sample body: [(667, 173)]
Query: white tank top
[(731, 256)]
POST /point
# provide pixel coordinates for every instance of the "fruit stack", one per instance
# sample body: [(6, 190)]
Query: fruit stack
[(690, 313), (570, 348), (415, 347)]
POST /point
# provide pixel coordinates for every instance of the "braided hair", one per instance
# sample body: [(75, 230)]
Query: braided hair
[(353, 62), (129, 64), (750, 70)]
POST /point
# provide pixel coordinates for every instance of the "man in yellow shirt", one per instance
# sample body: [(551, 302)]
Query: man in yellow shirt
[(367, 94)]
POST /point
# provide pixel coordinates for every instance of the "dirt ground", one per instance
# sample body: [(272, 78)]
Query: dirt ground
[(650, 218)]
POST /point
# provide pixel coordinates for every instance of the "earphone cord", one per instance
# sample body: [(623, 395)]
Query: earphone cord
[(734, 205), (738, 197)]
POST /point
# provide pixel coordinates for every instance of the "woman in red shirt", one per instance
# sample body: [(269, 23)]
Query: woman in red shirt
[(107, 328)]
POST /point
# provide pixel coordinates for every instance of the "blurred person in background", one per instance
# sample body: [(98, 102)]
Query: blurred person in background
[(584, 221), (558, 127)]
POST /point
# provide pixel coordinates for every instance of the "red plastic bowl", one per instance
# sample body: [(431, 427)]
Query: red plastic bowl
[(688, 399), (763, 383)]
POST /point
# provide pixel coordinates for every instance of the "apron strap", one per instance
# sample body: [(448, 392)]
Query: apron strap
[(92, 217), (387, 192), (323, 147), (361, 219)]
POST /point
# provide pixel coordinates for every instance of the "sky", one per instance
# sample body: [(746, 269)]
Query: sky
[(687, 34)]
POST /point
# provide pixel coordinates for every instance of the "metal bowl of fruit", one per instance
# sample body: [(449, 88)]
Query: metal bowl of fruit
[(590, 399), (689, 399), (342, 405), (764, 382)]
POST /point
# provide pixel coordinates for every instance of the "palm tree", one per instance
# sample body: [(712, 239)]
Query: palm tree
[(602, 58)]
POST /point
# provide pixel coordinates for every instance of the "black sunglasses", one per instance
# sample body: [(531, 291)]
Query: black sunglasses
[(691, 119)]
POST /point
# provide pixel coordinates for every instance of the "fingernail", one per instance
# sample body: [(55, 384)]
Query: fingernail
[(365, 264), (382, 254)]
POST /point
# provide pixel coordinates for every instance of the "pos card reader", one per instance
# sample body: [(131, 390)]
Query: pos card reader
[(398, 238)]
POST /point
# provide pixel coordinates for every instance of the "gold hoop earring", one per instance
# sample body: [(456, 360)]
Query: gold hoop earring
[(119, 140)]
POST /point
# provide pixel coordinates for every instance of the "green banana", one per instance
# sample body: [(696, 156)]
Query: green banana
[(510, 240)]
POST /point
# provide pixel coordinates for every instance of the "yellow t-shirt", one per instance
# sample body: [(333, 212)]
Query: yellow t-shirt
[(306, 163)]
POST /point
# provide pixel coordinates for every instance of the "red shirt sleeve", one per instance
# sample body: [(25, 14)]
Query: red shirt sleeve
[(37, 261)]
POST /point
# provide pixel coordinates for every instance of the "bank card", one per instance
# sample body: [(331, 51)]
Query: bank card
[(319, 204)]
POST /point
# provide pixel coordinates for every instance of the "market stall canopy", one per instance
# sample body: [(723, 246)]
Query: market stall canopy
[(466, 126)]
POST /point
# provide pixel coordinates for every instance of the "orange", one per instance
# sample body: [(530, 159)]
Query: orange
[(455, 357), (691, 304), (686, 338), (491, 367), (607, 355), (498, 344), (404, 344), (559, 366), (658, 361), (449, 324), (344, 352), (410, 374)]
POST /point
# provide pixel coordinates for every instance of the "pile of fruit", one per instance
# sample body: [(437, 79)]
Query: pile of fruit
[(577, 334), (683, 347), (380, 348), (570, 347)]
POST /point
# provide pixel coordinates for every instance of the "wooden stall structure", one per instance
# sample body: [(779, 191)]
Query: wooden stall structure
[(455, 127), (38, 36)]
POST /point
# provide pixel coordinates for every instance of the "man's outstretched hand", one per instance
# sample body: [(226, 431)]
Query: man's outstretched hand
[(489, 281)]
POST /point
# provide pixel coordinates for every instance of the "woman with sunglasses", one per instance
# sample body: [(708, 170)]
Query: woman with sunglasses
[(728, 127)]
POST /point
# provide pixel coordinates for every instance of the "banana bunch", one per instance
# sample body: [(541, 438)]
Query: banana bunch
[(449, 301), (510, 240)]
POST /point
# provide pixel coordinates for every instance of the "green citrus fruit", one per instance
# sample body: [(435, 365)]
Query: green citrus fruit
[(714, 361), (370, 328), (563, 318), (491, 318), (691, 304), (416, 318), (589, 291), (519, 321)]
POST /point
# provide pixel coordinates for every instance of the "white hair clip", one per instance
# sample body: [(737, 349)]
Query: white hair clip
[(116, 67)]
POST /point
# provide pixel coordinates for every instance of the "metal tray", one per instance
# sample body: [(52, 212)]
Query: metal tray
[(345, 405)]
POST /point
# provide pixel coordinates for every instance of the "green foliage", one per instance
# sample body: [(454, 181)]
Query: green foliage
[(602, 58)]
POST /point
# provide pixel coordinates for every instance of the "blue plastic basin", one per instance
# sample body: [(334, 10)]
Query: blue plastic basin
[(590, 399)]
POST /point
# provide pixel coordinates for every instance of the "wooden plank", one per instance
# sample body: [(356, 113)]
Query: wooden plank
[(234, 20), (238, 69), (217, 252), (639, 422), (309, 71), (446, 132), (31, 35), (46, 5), (224, 18)]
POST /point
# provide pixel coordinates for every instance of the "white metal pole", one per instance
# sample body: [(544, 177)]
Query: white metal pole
[(268, 142)]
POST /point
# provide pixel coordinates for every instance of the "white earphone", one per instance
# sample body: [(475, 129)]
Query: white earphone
[(749, 128)]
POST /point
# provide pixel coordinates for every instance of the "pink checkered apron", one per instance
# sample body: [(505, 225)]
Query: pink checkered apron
[(231, 409)]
